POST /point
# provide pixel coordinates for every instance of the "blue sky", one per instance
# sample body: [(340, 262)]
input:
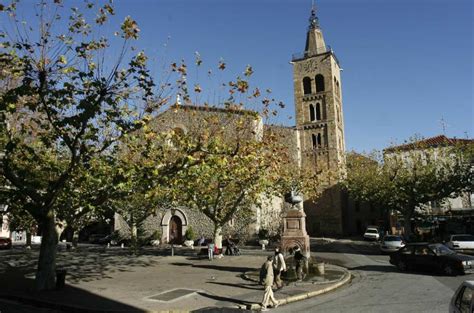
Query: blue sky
[(407, 63)]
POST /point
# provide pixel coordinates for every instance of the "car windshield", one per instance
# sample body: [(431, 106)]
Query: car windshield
[(440, 249), (372, 231), (463, 238), (392, 238)]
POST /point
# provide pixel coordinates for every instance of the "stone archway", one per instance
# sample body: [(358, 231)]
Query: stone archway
[(173, 226)]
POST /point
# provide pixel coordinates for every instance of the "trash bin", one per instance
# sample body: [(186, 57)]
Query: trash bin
[(60, 278)]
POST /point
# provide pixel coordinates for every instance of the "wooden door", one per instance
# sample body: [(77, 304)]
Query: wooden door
[(176, 230)]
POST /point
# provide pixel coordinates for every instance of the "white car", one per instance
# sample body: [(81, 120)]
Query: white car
[(461, 243), (391, 243), (462, 299), (372, 233)]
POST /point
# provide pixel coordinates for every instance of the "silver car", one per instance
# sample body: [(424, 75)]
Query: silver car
[(462, 300), (391, 243)]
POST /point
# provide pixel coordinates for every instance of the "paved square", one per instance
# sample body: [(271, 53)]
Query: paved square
[(172, 295)]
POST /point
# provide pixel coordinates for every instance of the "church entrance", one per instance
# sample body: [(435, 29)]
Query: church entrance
[(176, 230)]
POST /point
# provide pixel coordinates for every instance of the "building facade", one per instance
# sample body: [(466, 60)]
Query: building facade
[(316, 143), (320, 126)]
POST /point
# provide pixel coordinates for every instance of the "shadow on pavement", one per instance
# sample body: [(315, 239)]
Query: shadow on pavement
[(225, 299), (244, 286), (220, 310), (68, 299), (217, 267), (18, 270), (393, 269), (365, 248)]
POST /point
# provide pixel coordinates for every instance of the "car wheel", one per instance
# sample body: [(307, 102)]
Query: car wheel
[(449, 270), (402, 266)]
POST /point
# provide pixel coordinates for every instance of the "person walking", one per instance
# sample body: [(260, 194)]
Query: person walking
[(280, 266), (268, 283)]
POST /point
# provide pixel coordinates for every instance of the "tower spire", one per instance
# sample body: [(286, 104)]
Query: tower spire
[(313, 19), (314, 38)]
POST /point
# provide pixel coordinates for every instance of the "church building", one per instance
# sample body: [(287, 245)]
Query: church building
[(317, 142)]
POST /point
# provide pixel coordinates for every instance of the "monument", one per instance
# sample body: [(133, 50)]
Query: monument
[(294, 226)]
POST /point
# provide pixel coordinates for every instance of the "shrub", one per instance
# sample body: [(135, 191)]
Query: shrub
[(189, 234), (263, 233)]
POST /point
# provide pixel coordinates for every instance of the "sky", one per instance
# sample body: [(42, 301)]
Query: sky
[(407, 64)]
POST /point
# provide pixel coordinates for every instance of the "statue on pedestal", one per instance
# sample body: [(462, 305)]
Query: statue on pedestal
[(294, 226)]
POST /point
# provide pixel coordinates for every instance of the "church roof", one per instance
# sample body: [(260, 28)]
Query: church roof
[(437, 141), (208, 108)]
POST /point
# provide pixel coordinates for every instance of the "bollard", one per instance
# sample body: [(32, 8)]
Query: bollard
[(60, 278)]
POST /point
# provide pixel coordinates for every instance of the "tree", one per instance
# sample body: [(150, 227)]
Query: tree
[(85, 196), (410, 176), (69, 105)]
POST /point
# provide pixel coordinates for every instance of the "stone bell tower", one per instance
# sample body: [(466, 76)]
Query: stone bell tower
[(320, 124)]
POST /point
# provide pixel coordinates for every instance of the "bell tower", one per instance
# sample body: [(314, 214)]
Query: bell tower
[(320, 126)]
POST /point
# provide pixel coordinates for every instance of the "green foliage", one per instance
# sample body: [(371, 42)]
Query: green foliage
[(156, 235), (62, 107), (405, 178), (263, 233), (189, 234)]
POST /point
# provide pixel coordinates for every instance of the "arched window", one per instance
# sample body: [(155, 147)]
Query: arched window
[(319, 83), (318, 111), (319, 139), (307, 85), (312, 115), (315, 141), (338, 88)]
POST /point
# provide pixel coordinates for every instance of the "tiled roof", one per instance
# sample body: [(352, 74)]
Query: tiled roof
[(432, 142)]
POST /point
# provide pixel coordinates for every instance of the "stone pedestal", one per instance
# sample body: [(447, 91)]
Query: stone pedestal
[(294, 232)]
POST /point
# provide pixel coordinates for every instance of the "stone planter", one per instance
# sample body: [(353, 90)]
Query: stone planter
[(189, 243), (263, 243)]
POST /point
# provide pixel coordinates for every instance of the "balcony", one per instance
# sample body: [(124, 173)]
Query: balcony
[(307, 54)]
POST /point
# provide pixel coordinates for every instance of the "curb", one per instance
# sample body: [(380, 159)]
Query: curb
[(307, 283), (303, 296)]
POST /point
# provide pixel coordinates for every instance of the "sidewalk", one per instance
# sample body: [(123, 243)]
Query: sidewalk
[(113, 281)]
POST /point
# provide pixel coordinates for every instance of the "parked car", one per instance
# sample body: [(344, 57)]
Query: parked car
[(434, 257), (5, 243), (462, 300), (391, 243), (462, 243), (372, 233)]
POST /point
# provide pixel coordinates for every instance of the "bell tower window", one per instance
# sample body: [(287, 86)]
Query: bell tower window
[(319, 83), (307, 86), (318, 111), (316, 140), (312, 115)]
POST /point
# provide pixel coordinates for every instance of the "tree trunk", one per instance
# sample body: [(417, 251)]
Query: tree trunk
[(407, 223), (218, 236), (46, 272), (75, 237), (134, 237), (28, 238)]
